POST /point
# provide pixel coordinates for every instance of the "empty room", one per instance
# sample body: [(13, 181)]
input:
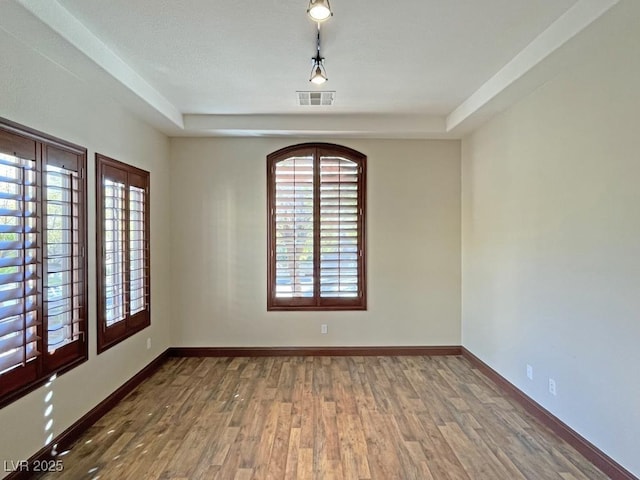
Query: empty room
[(319, 239)]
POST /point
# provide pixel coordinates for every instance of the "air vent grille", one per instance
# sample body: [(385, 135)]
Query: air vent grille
[(316, 98)]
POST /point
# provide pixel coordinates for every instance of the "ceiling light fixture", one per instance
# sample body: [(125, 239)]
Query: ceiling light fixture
[(319, 10), (318, 72)]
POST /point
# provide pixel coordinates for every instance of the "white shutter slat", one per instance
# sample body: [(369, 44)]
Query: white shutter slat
[(14, 321), (11, 359), (11, 342)]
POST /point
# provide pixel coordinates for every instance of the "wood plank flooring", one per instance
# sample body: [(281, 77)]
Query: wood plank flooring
[(384, 418)]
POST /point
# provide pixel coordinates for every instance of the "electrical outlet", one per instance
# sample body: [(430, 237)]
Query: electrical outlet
[(529, 372), (552, 387), (324, 328), (149, 343)]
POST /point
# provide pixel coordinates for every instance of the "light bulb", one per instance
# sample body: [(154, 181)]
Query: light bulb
[(319, 10), (318, 78)]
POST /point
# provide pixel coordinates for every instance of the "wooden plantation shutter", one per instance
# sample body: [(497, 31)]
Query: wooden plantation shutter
[(340, 215), (124, 269), (138, 248), (114, 246), (20, 313), (316, 228), (293, 217), (64, 265), (42, 259)]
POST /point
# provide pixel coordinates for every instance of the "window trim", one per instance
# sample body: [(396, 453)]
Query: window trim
[(108, 337), (316, 303), (46, 366)]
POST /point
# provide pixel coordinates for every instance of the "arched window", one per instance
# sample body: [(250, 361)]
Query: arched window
[(316, 240)]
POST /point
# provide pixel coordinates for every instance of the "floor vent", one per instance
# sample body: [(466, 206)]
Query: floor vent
[(316, 98)]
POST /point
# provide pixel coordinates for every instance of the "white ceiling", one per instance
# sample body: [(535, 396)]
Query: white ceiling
[(411, 68)]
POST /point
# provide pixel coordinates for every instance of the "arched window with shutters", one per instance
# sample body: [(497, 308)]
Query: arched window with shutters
[(316, 228)]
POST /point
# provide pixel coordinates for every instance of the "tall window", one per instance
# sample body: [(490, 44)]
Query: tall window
[(124, 301), (316, 208), (43, 286)]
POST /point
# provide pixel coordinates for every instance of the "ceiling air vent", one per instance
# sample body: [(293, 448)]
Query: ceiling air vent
[(316, 98)]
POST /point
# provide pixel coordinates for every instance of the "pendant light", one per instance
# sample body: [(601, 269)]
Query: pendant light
[(318, 73)]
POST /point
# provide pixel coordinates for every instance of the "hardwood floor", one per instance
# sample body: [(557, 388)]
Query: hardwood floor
[(301, 418)]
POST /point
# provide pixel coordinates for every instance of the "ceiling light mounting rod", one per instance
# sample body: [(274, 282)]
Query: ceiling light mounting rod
[(318, 44)]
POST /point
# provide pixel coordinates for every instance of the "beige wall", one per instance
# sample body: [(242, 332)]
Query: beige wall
[(219, 247), (39, 94), (551, 243)]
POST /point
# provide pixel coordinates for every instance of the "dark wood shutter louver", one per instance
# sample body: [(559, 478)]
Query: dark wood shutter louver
[(63, 255), (294, 208), (316, 228), (138, 251), (114, 251), (20, 318), (339, 225)]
